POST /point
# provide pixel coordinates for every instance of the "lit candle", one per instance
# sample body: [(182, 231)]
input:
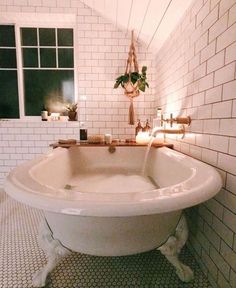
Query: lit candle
[(55, 116), (159, 138), (143, 138)]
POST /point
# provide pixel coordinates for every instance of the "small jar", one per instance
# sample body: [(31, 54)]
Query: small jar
[(44, 115), (108, 138)]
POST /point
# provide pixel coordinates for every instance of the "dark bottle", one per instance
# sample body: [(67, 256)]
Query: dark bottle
[(147, 127), (138, 128), (83, 132)]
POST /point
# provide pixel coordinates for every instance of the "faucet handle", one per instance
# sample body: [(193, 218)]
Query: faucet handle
[(171, 120), (162, 120)]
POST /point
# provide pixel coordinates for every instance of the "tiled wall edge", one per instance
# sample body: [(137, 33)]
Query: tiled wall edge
[(196, 77)]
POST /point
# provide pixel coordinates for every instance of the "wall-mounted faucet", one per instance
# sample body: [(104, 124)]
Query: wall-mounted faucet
[(158, 130), (177, 120)]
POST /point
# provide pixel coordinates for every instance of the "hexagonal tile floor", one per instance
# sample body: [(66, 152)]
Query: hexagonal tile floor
[(20, 258)]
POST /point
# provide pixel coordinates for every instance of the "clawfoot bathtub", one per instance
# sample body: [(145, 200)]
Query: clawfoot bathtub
[(99, 203)]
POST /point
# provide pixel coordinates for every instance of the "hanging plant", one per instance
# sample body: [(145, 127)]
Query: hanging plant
[(132, 81), (136, 79)]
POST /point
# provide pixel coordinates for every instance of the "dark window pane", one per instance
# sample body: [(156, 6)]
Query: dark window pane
[(9, 105), (47, 37), (30, 57), (29, 36), (65, 37), (7, 36), (48, 57), (65, 58), (7, 58), (47, 87)]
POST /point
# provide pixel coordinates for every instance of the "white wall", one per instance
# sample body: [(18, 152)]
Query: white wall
[(196, 77), (102, 53)]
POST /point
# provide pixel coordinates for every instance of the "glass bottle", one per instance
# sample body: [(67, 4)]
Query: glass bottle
[(138, 128), (83, 132), (147, 127)]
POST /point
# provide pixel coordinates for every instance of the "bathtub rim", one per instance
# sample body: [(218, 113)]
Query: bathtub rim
[(127, 204)]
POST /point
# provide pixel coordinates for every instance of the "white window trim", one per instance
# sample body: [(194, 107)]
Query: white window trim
[(38, 20)]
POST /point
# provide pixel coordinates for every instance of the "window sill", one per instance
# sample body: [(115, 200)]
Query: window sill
[(62, 119), (37, 122)]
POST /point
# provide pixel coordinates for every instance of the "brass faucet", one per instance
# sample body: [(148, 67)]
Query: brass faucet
[(177, 120), (158, 130)]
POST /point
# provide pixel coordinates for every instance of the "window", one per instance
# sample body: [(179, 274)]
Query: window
[(9, 104), (48, 68), (45, 71)]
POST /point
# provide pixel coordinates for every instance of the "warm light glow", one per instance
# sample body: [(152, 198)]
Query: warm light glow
[(83, 97), (173, 107), (55, 116), (55, 104), (143, 138), (159, 138)]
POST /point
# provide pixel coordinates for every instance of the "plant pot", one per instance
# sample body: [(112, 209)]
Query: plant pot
[(72, 115), (131, 90)]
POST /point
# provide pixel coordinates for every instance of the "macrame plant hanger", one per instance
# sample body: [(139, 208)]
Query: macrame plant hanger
[(131, 90)]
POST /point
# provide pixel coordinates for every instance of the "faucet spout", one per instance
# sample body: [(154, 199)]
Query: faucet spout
[(159, 130)]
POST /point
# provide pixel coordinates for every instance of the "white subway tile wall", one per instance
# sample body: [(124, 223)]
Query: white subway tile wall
[(193, 74), (101, 54), (207, 46), (22, 140)]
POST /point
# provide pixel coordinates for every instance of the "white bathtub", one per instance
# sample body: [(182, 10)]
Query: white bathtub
[(115, 218)]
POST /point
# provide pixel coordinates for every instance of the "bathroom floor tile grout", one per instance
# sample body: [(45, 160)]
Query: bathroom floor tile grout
[(21, 257)]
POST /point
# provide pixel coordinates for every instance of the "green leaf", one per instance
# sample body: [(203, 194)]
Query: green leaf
[(116, 85), (135, 74), (119, 78), (142, 87), (125, 78)]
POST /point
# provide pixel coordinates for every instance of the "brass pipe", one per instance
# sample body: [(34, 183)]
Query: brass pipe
[(173, 131), (177, 120), (183, 120), (169, 131)]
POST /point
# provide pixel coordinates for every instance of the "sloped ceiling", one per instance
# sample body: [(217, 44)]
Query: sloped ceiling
[(152, 20)]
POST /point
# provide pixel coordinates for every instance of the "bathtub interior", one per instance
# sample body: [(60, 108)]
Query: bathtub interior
[(87, 169), (54, 170), (168, 169)]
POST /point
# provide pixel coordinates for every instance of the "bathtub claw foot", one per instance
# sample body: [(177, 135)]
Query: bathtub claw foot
[(172, 248), (54, 252)]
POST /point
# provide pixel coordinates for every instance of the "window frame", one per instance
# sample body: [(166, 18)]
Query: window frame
[(35, 20)]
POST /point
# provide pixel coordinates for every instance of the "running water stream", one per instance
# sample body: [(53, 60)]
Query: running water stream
[(152, 138), (146, 155)]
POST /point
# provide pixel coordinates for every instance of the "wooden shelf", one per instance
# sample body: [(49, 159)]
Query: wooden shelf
[(121, 144)]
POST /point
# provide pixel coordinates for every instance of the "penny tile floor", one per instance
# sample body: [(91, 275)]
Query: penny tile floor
[(21, 257)]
